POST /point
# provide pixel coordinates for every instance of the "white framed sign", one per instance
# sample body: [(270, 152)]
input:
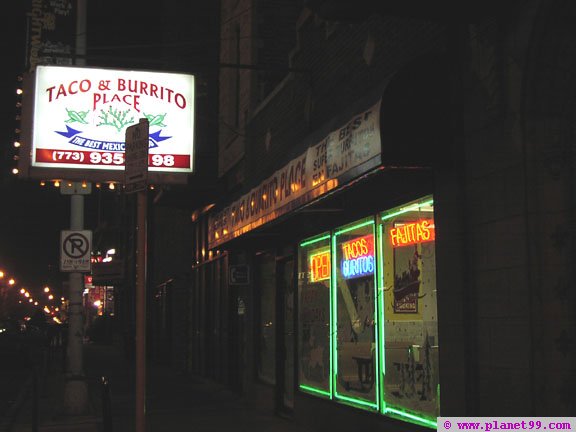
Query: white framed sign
[(81, 115), (75, 250)]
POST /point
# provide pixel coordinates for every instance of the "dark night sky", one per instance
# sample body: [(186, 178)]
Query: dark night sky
[(31, 217), (22, 242)]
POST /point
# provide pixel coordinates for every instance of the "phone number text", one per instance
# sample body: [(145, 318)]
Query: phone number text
[(98, 158)]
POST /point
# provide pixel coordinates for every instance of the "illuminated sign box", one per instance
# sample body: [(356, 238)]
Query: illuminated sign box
[(409, 233), (358, 257), (81, 114)]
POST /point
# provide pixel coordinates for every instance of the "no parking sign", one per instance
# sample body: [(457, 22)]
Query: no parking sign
[(75, 251)]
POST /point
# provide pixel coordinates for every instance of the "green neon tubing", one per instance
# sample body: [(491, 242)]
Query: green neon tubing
[(316, 240), (302, 386), (411, 207), (351, 400), (333, 330), (421, 420), (376, 323), (357, 402), (314, 390), (360, 225), (381, 348)]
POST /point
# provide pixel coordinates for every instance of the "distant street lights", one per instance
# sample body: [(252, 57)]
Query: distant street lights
[(9, 287)]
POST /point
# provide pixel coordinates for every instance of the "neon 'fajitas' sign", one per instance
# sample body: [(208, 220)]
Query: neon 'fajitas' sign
[(81, 116), (409, 233)]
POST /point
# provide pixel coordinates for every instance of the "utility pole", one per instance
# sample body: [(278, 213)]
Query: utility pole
[(135, 181), (75, 389)]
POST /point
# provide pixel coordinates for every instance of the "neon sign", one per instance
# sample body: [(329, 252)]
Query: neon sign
[(320, 266), (358, 257), (413, 232)]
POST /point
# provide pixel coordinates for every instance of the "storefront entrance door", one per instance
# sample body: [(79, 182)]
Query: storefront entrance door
[(285, 336)]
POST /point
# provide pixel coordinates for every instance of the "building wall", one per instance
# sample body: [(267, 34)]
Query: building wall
[(256, 38), (236, 84), (495, 219), (508, 202), (169, 263), (335, 64), (503, 187), (548, 137)]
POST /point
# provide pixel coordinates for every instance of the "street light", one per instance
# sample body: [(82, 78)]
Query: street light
[(46, 289), (11, 281)]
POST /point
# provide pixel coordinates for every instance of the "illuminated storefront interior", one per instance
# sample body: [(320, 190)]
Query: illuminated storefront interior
[(368, 333)]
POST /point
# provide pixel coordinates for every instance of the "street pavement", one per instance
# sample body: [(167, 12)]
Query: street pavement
[(175, 401)]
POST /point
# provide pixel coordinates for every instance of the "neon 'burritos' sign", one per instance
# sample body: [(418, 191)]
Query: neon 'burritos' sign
[(81, 116)]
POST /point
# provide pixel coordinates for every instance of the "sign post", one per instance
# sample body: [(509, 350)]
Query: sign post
[(76, 389), (75, 250), (135, 180)]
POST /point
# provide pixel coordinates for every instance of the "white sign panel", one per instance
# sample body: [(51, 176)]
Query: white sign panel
[(81, 116), (75, 251)]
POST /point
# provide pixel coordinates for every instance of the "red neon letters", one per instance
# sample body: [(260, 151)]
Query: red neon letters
[(413, 232), (320, 266), (359, 247), (358, 257)]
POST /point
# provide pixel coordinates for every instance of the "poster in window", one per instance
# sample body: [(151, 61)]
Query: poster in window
[(407, 279)]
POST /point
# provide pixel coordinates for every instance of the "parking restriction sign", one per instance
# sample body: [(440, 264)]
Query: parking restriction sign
[(75, 251)]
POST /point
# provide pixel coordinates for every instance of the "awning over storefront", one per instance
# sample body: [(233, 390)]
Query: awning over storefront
[(397, 125), (321, 168)]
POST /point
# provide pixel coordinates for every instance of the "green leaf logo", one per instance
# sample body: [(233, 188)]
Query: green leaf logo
[(76, 116), (155, 120)]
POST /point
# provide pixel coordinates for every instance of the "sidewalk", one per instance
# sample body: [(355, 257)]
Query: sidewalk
[(175, 402)]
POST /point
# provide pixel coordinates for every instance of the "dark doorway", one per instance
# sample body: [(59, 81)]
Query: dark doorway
[(285, 335)]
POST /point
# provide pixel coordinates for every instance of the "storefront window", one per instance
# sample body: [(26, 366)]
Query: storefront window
[(354, 309), (267, 341), (410, 336), (373, 345), (314, 315)]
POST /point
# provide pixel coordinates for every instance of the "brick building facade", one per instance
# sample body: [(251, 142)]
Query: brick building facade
[(474, 125)]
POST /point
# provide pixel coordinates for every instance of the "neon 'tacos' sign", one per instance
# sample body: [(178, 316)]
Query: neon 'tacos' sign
[(358, 257)]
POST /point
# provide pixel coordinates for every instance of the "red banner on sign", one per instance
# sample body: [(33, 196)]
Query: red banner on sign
[(100, 158)]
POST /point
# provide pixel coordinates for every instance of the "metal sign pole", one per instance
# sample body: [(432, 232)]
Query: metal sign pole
[(75, 389), (141, 313), (75, 317), (135, 180)]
